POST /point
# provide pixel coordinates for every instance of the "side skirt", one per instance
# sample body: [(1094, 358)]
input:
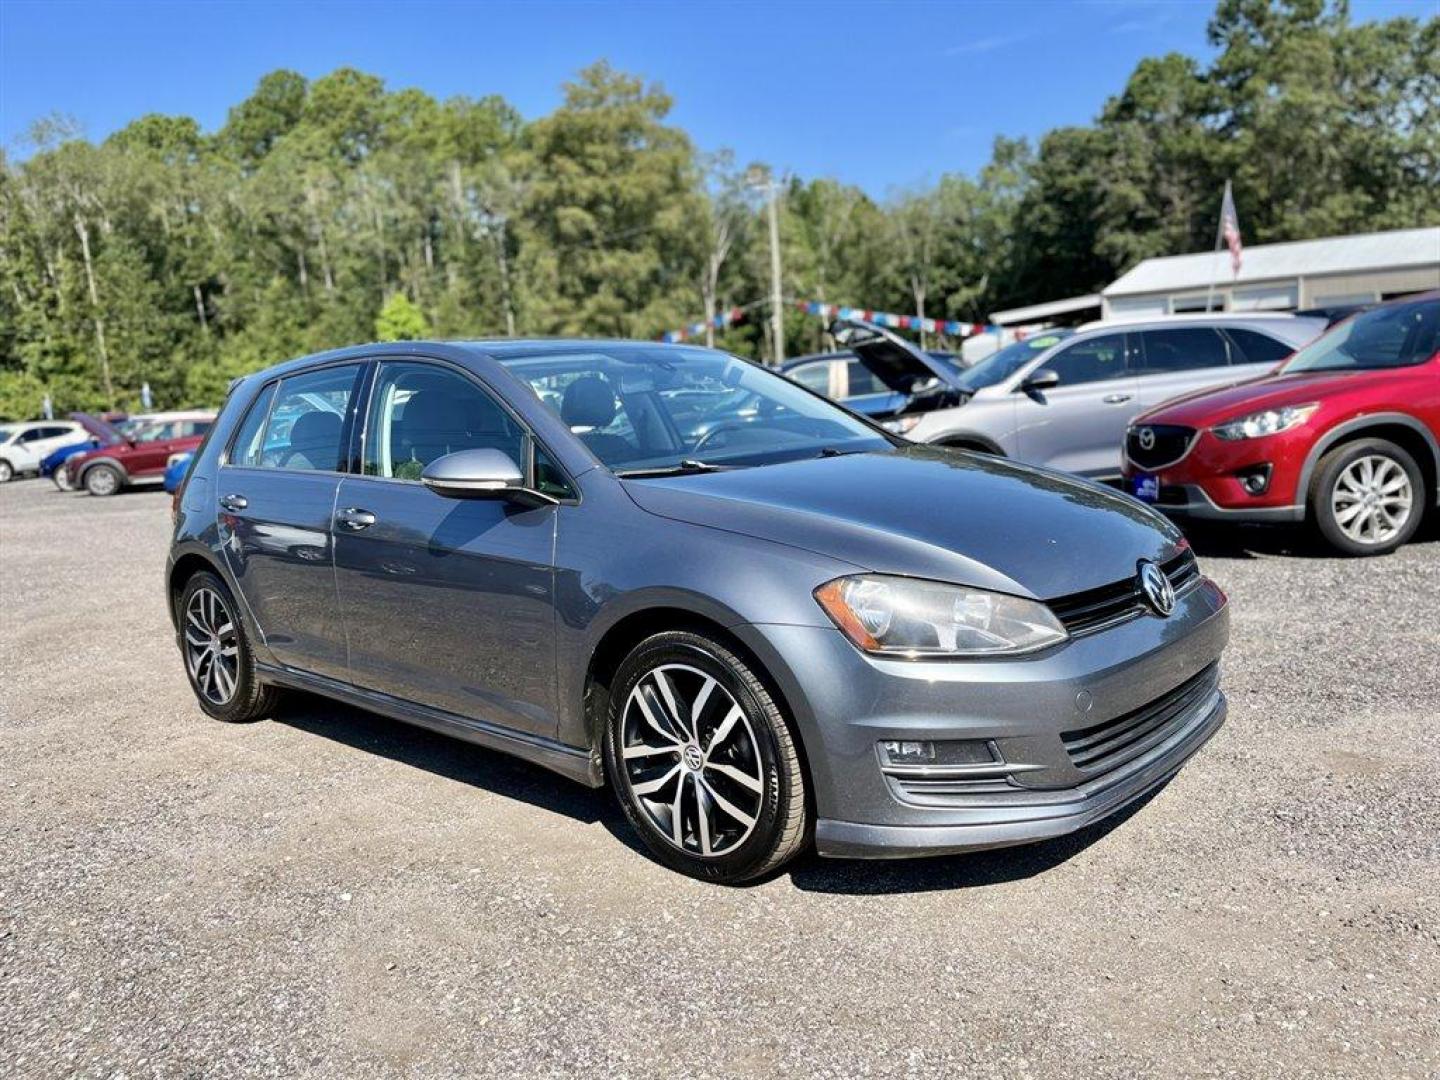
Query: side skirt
[(568, 761)]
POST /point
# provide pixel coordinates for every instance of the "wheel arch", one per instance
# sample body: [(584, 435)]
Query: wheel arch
[(630, 630), (186, 566), (965, 440), (93, 462), (1403, 430)]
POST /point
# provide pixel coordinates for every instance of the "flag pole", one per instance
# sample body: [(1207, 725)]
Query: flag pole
[(1219, 239)]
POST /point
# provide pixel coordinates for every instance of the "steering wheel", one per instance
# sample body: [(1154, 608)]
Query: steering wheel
[(718, 429)]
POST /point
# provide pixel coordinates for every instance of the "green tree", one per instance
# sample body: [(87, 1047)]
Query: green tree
[(400, 320)]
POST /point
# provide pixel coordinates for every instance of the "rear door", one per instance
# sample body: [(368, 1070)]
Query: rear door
[(446, 602), (1078, 425), (276, 496), (1180, 360)]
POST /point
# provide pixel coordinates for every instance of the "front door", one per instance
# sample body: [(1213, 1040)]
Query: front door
[(276, 497), (446, 602), (1079, 424)]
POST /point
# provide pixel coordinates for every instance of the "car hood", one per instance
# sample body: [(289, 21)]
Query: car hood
[(97, 427), (889, 357), (929, 512), (1267, 392)]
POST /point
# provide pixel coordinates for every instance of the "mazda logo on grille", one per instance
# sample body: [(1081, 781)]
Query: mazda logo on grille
[(1146, 437), (1157, 588)]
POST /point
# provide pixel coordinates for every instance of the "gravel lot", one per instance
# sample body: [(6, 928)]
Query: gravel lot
[(330, 893)]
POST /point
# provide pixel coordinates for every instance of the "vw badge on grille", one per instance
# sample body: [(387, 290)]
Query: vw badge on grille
[(1157, 588), (1146, 436)]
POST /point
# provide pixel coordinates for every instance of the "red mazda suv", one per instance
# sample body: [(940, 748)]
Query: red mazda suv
[(1345, 434)]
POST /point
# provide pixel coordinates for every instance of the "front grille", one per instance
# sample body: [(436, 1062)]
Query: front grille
[(1094, 609), (1171, 441), (1109, 745)]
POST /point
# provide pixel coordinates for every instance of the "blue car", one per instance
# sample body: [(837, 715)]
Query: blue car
[(50, 464), (176, 470)]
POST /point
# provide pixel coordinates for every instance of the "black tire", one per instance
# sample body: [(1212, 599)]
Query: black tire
[(250, 699), (7, 471), (1323, 490), (764, 743), (102, 480)]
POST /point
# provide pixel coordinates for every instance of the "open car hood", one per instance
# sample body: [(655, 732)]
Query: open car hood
[(890, 358), (97, 427)]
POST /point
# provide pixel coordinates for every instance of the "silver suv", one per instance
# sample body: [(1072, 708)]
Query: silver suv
[(1064, 399)]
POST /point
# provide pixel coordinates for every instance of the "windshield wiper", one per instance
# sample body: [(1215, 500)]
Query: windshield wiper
[(683, 467)]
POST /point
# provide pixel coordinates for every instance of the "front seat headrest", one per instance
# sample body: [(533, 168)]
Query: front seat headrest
[(588, 402)]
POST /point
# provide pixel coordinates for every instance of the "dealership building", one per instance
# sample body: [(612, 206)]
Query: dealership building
[(1282, 277), (1303, 274)]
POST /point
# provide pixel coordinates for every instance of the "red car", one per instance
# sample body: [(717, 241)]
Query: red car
[(138, 456), (1345, 434)]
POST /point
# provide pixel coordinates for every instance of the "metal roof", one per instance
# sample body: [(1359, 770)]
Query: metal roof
[(1036, 312), (1300, 258)]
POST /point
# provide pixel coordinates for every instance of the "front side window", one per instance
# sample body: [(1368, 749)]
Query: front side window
[(305, 423), (1000, 365), (643, 408), (861, 380), (1090, 361), (1190, 349), (1389, 337), (420, 412)]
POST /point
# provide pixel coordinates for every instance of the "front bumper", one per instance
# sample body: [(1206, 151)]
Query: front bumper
[(1191, 501), (1027, 710)]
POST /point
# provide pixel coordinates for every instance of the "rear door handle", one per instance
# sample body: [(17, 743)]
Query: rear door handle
[(354, 519), (234, 503), (1116, 399)]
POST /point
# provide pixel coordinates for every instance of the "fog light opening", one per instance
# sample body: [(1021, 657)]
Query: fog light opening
[(944, 752), (1256, 479)]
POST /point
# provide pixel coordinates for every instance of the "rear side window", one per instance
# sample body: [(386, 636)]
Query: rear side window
[(1090, 361), (304, 426), (814, 376), (1193, 348), (246, 448), (1255, 348)]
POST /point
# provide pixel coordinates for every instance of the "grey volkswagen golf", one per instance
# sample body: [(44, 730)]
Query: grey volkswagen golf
[(761, 620)]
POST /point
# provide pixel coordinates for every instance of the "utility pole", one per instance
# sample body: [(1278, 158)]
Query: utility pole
[(759, 177)]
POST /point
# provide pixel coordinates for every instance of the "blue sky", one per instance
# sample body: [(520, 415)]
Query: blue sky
[(882, 95)]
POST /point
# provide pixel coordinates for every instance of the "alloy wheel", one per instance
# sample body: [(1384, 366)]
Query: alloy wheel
[(691, 760), (211, 646), (7, 472), (102, 480), (1372, 499)]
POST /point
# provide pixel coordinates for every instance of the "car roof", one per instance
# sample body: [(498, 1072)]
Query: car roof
[(1201, 318)]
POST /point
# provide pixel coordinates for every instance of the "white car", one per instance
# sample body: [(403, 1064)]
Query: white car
[(24, 446)]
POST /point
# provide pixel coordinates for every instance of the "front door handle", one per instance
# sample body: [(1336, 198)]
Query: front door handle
[(354, 519), (1116, 399), (234, 503)]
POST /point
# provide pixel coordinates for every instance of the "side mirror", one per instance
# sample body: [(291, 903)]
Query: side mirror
[(1044, 379), (473, 474)]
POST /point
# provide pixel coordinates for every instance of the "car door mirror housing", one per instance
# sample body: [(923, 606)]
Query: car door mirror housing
[(1043, 379), (480, 474)]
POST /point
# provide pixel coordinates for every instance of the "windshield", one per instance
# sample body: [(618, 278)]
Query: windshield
[(651, 408), (1400, 335), (999, 366)]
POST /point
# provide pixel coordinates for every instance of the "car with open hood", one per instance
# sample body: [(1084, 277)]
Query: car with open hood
[(758, 618), (1063, 399), (135, 454), (1344, 436)]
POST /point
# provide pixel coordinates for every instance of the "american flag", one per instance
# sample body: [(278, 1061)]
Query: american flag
[(1230, 228)]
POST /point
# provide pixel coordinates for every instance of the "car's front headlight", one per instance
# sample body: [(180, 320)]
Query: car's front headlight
[(1268, 422), (902, 425), (896, 616)]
